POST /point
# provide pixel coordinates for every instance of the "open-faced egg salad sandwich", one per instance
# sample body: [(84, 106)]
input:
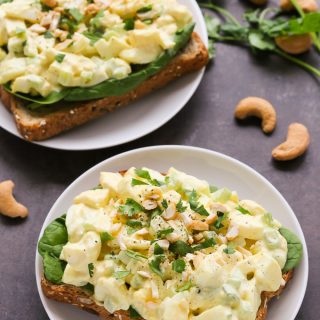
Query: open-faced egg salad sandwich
[(160, 247), (65, 62)]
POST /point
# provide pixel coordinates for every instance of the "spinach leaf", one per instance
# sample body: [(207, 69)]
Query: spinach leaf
[(53, 268), (294, 249), (178, 265), (55, 236), (50, 246)]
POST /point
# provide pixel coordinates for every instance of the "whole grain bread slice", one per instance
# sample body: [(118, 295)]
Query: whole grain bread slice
[(37, 126), (83, 299)]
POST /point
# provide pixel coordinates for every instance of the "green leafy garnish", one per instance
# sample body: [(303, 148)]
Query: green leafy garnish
[(133, 314), (135, 255), (106, 236), (178, 265), (164, 203), (121, 274), (145, 9), (136, 182), (180, 248), (154, 264), (268, 219), (157, 249), (5, 1), (259, 32), (186, 286), (131, 207), (89, 287), (144, 174), (204, 245), (213, 188), (134, 223), (91, 268), (180, 207), (243, 210), (162, 233), (218, 223), (230, 248), (195, 206), (48, 35), (295, 249), (129, 24), (59, 57)]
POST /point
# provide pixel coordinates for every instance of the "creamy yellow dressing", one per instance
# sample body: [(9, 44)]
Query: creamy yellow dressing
[(122, 237), (80, 43)]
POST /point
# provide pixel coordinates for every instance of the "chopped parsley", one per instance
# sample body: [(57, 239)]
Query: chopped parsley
[(180, 248), (135, 255), (121, 274), (204, 245), (105, 236), (162, 233), (93, 36), (129, 24), (59, 57), (131, 207), (136, 182), (180, 208), (178, 265), (157, 249), (144, 174), (218, 223), (145, 9), (134, 223), (90, 268), (243, 210), (164, 203), (154, 264), (194, 204)]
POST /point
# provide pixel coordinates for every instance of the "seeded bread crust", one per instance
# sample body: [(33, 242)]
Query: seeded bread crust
[(83, 300), (35, 126)]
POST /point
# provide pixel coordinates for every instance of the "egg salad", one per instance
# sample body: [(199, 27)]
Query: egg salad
[(49, 45), (171, 247)]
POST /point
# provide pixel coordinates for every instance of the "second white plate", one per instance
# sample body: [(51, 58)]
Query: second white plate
[(133, 121), (217, 169)]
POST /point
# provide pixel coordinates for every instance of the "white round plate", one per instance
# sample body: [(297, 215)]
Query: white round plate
[(133, 121), (217, 169)]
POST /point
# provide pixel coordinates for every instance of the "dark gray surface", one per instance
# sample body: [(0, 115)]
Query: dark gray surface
[(207, 121)]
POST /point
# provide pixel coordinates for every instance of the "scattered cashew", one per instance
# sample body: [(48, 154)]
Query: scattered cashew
[(232, 233), (259, 2), (298, 140), (296, 44), (170, 213), (149, 204), (258, 107), (8, 204), (306, 5), (199, 225)]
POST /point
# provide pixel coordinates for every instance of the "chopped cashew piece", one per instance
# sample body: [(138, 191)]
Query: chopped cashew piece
[(295, 44), (8, 204), (298, 140), (170, 213), (258, 107), (306, 5), (199, 225)]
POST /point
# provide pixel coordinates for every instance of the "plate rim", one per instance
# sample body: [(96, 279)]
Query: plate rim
[(198, 76), (305, 261)]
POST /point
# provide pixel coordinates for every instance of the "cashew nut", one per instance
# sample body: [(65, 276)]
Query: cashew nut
[(259, 2), (199, 225), (261, 108), (50, 3), (170, 213), (298, 140), (8, 204), (296, 44), (306, 5)]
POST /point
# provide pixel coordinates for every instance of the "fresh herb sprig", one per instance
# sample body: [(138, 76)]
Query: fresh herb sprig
[(258, 33)]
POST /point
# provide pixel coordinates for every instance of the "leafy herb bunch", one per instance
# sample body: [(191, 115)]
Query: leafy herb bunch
[(258, 32)]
